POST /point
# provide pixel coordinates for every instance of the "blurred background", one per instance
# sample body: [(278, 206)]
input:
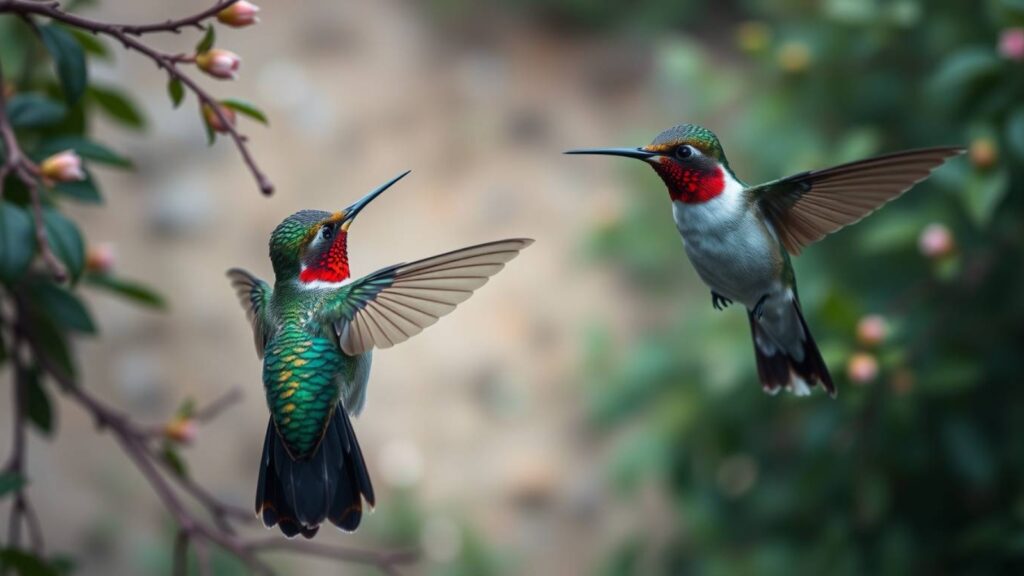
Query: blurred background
[(587, 412)]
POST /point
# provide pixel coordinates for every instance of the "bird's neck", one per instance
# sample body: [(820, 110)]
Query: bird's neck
[(693, 184), (331, 267)]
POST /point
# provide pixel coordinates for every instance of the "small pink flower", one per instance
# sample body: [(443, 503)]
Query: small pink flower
[(239, 15), (936, 241), (862, 368), (1011, 43), (872, 330), (219, 63), (182, 430), (64, 166), (100, 258), (214, 122)]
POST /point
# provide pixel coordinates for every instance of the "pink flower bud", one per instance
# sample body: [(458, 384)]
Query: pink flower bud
[(872, 330), (936, 241), (239, 15), (182, 430), (100, 258), (983, 153), (219, 63), (1011, 44), (862, 368), (64, 166), (214, 122)]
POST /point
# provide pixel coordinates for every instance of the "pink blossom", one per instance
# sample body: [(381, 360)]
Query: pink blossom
[(219, 63), (1011, 43), (862, 368), (936, 241), (64, 166), (872, 330), (239, 15)]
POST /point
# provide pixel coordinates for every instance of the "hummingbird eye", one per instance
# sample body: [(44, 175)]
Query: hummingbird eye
[(326, 232), (684, 151)]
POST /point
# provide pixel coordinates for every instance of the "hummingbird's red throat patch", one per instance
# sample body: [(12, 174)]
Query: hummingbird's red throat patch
[(690, 185), (332, 266)]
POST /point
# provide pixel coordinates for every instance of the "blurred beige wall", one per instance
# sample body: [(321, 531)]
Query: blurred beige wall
[(480, 416)]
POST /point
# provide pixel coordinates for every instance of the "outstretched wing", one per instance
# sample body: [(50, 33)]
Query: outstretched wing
[(806, 207), (395, 303), (254, 295)]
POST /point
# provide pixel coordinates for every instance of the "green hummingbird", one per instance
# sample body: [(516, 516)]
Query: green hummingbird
[(315, 330), (739, 238)]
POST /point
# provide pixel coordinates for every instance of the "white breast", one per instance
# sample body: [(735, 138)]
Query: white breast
[(728, 246)]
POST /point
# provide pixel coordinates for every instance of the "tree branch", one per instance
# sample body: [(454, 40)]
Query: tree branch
[(126, 35)]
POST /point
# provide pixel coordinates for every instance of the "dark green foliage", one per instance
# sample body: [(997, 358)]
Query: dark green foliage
[(69, 58)]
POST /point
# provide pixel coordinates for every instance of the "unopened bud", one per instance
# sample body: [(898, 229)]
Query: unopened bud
[(64, 166), (214, 121), (181, 430), (1011, 44), (219, 63), (872, 330), (100, 258), (239, 15), (794, 57), (983, 153), (862, 368), (936, 241)]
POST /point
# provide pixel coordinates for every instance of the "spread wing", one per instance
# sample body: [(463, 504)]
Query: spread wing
[(806, 207), (395, 303), (254, 295)]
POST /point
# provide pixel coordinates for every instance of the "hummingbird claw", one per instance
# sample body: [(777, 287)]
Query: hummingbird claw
[(759, 307), (719, 302)]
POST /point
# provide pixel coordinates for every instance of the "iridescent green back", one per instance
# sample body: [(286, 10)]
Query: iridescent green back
[(299, 377)]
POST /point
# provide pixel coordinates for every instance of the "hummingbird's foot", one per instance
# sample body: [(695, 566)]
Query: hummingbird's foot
[(758, 310), (718, 301)]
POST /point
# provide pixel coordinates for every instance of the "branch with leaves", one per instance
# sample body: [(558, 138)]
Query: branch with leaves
[(44, 261)]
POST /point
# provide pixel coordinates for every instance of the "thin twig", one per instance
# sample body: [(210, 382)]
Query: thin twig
[(126, 36), (18, 164)]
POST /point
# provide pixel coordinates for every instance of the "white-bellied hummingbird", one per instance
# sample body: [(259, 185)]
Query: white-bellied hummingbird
[(739, 237), (315, 330)]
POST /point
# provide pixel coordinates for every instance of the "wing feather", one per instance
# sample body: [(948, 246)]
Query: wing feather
[(806, 207), (254, 296), (398, 302)]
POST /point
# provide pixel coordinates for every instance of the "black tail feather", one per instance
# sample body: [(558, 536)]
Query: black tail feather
[(298, 495), (777, 371)]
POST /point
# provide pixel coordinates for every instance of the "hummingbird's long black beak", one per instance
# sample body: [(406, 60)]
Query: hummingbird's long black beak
[(638, 153), (352, 211)]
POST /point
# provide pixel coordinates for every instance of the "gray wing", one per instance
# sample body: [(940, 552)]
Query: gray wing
[(254, 296), (353, 390), (806, 207)]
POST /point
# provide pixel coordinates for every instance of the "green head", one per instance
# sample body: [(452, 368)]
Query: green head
[(688, 158), (312, 245)]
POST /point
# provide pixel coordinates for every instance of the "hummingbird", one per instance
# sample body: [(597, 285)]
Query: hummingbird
[(315, 330), (740, 238)]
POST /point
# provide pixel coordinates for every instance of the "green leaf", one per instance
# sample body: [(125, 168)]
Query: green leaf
[(50, 344), (84, 147), (170, 455), (17, 241), (1015, 132), (187, 409), (10, 482), (246, 108), (206, 43), (65, 241), (127, 288), (81, 190), (69, 58), (31, 110), (982, 194), (176, 90), (91, 43), (118, 106), (25, 564), (38, 407), (64, 307), (211, 136)]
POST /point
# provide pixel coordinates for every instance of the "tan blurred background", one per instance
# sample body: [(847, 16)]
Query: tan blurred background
[(477, 421)]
